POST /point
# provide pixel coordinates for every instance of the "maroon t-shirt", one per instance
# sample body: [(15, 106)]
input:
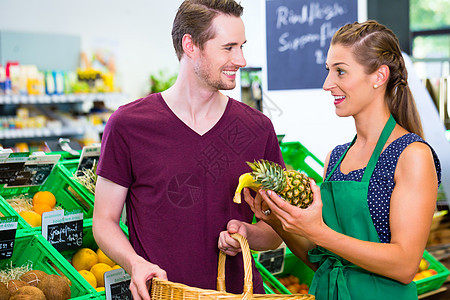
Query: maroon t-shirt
[(181, 184)]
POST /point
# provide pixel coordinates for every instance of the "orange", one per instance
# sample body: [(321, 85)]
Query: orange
[(100, 289), (102, 258), (41, 208), (84, 259), (45, 197), (90, 278), (32, 218), (98, 270)]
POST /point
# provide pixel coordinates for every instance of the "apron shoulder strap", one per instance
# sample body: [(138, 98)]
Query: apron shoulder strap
[(387, 130), (340, 159)]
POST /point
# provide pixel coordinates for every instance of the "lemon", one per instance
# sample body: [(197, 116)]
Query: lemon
[(98, 270), (84, 259), (102, 258), (90, 278), (32, 218), (115, 267), (100, 289)]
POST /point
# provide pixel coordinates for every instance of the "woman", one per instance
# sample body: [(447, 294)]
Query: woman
[(367, 228)]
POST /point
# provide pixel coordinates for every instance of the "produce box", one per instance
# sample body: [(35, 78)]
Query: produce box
[(293, 277), (68, 169), (435, 281), (297, 157), (66, 193), (88, 242), (34, 251)]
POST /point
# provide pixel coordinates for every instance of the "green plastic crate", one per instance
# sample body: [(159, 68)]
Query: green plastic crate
[(68, 196), (292, 266), (89, 242), (67, 169), (34, 249), (296, 156), (434, 282)]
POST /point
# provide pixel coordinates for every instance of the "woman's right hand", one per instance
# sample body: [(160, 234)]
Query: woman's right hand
[(141, 275), (306, 222)]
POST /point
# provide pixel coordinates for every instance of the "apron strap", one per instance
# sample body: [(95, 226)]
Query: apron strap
[(340, 159), (387, 130)]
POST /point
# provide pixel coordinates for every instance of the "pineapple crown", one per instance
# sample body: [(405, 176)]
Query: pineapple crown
[(269, 174)]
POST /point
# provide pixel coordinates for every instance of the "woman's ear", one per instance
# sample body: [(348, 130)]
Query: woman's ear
[(381, 75), (188, 45)]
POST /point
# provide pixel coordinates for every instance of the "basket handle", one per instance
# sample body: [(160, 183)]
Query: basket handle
[(247, 258)]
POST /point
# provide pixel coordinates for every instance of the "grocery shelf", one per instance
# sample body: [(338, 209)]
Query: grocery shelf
[(64, 98), (29, 133)]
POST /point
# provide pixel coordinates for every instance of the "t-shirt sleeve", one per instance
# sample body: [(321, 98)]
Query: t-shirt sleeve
[(115, 163)]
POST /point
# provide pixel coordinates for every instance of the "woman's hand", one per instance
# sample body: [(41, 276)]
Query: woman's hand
[(305, 222)]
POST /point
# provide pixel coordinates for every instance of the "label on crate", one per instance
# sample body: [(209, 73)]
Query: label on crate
[(8, 227), (64, 230), (34, 171), (89, 157), (117, 284), (11, 165), (272, 260)]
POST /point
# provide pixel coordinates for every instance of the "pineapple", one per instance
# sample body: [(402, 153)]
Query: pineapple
[(291, 185)]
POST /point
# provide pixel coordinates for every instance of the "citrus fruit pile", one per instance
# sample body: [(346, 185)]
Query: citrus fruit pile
[(92, 265), (31, 210)]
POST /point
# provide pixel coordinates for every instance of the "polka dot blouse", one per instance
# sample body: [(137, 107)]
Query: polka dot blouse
[(381, 183)]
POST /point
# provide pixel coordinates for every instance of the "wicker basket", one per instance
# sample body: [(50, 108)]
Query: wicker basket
[(167, 290)]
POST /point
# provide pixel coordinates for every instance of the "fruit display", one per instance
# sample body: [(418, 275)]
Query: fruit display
[(92, 265), (293, 186), (31, 209), (292, 284), (424, 271), (26, 283)]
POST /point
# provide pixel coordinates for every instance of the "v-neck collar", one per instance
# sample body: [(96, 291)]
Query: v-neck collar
[(188, 128)]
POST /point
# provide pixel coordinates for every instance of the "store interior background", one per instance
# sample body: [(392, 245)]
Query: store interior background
[(137, 32)]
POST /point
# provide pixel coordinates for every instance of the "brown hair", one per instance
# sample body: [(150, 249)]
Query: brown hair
[(194, 17), (374, 45)]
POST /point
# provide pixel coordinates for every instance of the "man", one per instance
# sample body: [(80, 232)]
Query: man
[(175, 158)]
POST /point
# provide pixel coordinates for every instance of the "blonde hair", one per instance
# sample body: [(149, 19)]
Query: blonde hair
[(374, 45)]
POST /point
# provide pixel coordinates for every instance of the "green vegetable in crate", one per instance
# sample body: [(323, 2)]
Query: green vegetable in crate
[(291, 185)]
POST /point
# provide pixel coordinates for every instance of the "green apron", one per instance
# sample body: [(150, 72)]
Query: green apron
[(345, 210)]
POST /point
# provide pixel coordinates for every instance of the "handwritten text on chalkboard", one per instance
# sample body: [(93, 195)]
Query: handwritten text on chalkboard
[(298, 34)]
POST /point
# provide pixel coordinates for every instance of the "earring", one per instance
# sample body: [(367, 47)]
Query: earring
[(375, 86)]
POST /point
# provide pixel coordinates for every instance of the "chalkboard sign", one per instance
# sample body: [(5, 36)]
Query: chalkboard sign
[(298, 34), (8, 227), (63, 231), (117, 285)]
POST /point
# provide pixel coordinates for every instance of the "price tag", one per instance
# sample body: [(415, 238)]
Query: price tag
[(89, 157), (11, 164), (34, 170), (8, 227), (273, 260), (117, 284), (64, 230)]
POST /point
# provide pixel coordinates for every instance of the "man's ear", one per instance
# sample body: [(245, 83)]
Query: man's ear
[(382, 75), (188, 45)]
